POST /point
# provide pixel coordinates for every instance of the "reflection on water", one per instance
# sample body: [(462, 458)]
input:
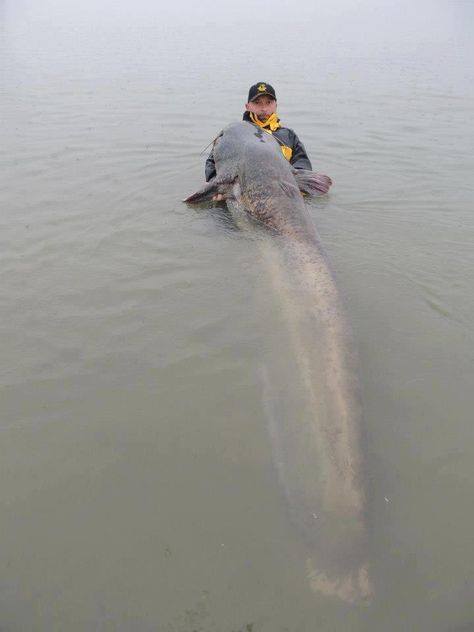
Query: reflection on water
[(137, 479)]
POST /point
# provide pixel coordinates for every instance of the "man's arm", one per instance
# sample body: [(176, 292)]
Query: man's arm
[(210, 172), (210, 169), (299, 158)]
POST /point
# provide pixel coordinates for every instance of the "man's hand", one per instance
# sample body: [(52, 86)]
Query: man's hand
[(218, 197)]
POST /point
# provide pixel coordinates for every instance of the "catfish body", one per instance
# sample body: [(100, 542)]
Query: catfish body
[(316, 420)]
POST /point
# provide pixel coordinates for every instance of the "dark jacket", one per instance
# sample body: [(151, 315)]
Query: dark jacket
[(286, 136)]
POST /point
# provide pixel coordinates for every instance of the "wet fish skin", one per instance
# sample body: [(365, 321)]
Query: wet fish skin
[(318, 454)]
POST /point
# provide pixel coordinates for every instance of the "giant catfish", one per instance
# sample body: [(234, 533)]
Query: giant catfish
[(317, 449)]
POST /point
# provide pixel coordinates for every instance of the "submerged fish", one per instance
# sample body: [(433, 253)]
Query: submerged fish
[(315, 422)]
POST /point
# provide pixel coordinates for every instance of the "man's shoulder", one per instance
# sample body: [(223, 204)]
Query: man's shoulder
[(288, 132), (286, 128)]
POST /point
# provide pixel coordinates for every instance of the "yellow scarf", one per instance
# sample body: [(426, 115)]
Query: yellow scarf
[(273, 122)]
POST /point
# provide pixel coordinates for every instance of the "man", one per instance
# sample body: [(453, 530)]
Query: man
[(260, 110)]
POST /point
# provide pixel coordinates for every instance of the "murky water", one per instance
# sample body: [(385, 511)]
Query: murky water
[(137, 484)]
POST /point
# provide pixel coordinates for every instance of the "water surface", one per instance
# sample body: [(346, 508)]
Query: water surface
[(137, 484)]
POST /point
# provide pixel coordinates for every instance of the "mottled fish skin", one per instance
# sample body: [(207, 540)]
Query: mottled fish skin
[(319, 456), (268, 189)]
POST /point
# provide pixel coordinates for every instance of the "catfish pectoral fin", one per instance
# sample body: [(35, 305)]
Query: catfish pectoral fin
[(311, 182), (203, 194), (209, 190)]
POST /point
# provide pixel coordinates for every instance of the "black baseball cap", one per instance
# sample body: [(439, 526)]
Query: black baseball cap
[(259, 89)]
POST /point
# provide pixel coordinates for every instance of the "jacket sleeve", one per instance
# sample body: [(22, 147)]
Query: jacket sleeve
[(210, 169), (299, 158)]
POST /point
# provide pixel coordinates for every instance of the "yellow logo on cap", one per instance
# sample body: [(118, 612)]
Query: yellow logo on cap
[(262, 87)]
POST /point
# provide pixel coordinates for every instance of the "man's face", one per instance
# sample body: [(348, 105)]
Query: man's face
[(263, 107)]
